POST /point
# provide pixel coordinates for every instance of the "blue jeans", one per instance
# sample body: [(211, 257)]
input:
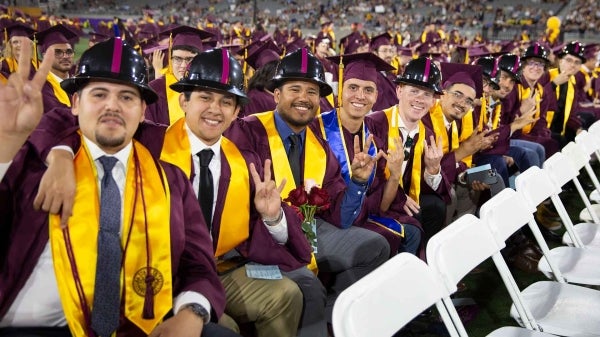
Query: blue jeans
[(535, 147)]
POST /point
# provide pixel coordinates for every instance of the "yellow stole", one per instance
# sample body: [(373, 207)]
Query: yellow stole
[(526, 92), (588, 78), (60, 94), (146, 233), (394, 132), (439, 127), (235, 221), (175, 111), (568, 101), (314, 153)]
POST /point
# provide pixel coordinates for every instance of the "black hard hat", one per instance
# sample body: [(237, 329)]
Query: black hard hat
[(510, 63), (574, 48), (422, 72), (300, 65), (490, 69), (536, 50), (214, 69), (115, 61)]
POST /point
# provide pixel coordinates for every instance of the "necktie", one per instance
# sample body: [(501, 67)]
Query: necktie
[(294, 157), (107, 289), (408, 146), (206, 190)]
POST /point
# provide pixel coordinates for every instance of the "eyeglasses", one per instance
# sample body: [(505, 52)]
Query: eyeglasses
[(58, 53), (461, 97), (390, 50), (572, 60), (180, 60), (536, 64)]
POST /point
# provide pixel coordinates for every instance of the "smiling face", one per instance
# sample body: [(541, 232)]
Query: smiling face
[(109, 113), (297, 103), (507, 83), (457, 100), (358, 97), (208, 113), (569, 64), (414, 102), (533, 69)]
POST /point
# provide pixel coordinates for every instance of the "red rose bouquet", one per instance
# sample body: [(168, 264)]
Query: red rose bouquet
[(308, 204)]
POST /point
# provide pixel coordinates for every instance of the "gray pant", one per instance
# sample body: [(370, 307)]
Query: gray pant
[(348, 254)]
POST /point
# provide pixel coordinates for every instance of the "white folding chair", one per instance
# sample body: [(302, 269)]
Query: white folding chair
[(388, 298), (577, 157), (456, 250), (553, 307), (595, 129), (590, 143)]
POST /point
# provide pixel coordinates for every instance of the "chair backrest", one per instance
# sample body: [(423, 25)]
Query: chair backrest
[(388, 298), (560, 168), (507, 211), (576, 154), (458, 248), (536, 186), (595, 128), (589, 142)]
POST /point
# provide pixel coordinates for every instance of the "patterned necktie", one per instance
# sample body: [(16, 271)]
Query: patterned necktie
[(206, 189), (294, 157), (107, 289)]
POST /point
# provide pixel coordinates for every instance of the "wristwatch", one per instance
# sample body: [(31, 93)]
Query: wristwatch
[(199, 310)]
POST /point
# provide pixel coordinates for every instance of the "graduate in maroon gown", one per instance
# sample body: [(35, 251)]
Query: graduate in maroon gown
[(344, 252), (264, 60), (186, 43), (13, 46), (57, 36), (340, 126), (382, 46), (422, 179), (166, 253)]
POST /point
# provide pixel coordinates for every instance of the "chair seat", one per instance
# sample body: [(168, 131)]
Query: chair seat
[(513, 331), (584, 215), (554, 306), (595, 196), (578, 265), (588, 232)]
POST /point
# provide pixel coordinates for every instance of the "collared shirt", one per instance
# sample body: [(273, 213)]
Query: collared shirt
[(432, 180), (279, 232), (354, 194)]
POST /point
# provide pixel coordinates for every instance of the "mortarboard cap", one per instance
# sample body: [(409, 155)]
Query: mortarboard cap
[(353, 41), (322, 39), (253, 46), (187, 36), (18, 29), (467, 74), (296, 44), (380, 40), (98, 37), (591, 50), (266, 53), (404, 51), (362, 66), (54, 35)]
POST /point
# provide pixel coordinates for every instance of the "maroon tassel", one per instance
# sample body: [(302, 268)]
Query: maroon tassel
[(148, 312)]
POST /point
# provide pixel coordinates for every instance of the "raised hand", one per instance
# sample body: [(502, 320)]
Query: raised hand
[(433, 155), (395, 158), (362, 164), (157, 62), (267, 198), (21, 102)]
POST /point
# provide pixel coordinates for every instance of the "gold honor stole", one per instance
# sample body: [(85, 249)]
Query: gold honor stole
[(568, 101), (394, 132), (175, 111), (60, 94), (439, 127), (588, 78), (466, 130), (526, 92), (177, 151), (484, 116), (146, 229), (314, 153)]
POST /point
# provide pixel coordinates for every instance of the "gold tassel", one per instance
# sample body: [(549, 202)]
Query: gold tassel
[(245, 67), (36, 63), (170, 51), (340, 80)]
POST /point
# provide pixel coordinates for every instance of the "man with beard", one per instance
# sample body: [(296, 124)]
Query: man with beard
[(129, 253), (344, 252), (57, 37)]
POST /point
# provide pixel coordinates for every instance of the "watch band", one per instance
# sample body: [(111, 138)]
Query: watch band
[(198, 310)]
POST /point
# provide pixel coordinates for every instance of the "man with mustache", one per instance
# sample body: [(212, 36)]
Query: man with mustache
[(300, 158), (58, 37), (135, 246)]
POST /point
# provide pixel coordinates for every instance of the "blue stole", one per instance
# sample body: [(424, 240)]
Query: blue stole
[(333, 134), (331, 128)]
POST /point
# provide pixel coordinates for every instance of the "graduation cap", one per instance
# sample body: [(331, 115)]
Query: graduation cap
[(380, 40), (186, 36), (54, 35), (266, 53), (296, 44), (404, 51), (350, 43), (467, 74), (591, 50), (322, 39), (17, 29), (254, 45), (98, 37)]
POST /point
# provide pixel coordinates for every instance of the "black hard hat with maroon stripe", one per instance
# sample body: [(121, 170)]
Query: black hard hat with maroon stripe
[(574, 48), (115, 61), (300, 65), (214, 69), (536, 50), (489, 65), (422, 72), (510, 63)]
